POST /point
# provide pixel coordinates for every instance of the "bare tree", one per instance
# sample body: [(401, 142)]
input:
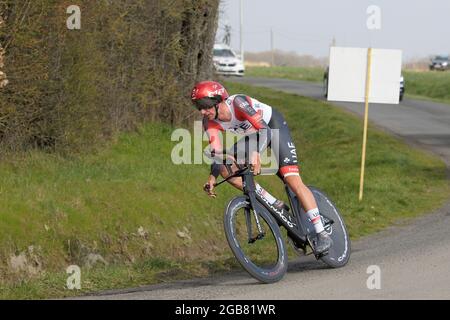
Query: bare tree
[(3, 79), (227, 35)]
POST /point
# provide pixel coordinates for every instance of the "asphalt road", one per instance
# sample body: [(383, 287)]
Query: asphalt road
[(413, 258)]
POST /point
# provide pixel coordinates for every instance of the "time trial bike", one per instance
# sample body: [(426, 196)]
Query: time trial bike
[(252, 227)]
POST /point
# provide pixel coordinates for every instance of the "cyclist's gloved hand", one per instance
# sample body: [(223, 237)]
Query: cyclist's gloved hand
[(208, 187)]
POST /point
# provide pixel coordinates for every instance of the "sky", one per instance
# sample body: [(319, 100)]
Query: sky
[(419, 28)]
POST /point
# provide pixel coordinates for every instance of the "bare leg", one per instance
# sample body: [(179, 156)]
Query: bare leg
[(303, 193), (323, 242)]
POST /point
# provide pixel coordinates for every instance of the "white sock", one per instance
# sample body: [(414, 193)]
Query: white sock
[(314, 215)]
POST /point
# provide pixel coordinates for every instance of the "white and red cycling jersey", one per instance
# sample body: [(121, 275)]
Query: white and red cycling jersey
[(250, 116)]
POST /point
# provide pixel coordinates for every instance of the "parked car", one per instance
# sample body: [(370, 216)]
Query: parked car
[(325, 82), (402, 87), (325, 85), (226, 61), (439, 63)]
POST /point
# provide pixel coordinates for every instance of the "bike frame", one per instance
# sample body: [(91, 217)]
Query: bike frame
[(294, 228), (301, 231)]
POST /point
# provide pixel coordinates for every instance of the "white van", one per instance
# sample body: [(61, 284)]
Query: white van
[(226, 62)]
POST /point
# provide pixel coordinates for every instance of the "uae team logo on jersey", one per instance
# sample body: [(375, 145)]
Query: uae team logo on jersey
[(242, 127)]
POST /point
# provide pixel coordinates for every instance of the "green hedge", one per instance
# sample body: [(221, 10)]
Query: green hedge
[(131, 61)]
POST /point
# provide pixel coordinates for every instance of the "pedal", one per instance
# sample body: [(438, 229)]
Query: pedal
[(321, 255), (299, 248), (258, 237)]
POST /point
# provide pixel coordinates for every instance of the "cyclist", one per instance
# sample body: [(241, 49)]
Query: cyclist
[(244, 115)]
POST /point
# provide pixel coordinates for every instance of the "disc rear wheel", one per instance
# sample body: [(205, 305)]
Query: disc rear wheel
[(339, 253)]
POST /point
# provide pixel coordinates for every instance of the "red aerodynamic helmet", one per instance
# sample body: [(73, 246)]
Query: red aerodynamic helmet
[(207, 94)]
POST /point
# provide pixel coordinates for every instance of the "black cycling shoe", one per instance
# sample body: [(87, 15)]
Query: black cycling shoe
[(322, 243)]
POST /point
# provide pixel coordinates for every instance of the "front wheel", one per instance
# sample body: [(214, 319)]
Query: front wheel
[(339, 253), (260, 250)]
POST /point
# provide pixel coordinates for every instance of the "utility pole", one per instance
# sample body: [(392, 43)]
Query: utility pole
[(272, 47), (241, 31)]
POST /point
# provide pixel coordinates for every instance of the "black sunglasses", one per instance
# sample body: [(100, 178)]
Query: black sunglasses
[(206, 103)]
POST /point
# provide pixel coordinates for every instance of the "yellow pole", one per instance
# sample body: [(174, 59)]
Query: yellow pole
[(366, 120)]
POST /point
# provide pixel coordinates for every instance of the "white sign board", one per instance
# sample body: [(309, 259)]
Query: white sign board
[(348, 72)]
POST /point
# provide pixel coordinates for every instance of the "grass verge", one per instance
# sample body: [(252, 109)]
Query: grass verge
[(428, 85), (293, 73)]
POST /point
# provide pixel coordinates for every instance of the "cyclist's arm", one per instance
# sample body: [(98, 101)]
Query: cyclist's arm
[(213, 129), (244, 111)]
